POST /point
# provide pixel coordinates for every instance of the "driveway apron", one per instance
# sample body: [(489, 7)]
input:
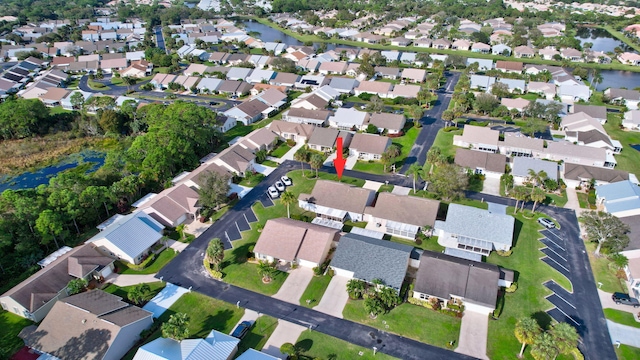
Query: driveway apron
[(335, 297), (473, 335), (295, 284)]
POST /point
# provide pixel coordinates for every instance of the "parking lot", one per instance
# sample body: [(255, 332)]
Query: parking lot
[(241, 224)]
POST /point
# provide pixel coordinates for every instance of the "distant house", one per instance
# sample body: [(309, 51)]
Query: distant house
[(631, 120), (501, 49), (293, 131), (523, 52), (249, 112), (460, 281), (305, 116), (513, 85), (311, 102), (482, 82), (387, 72), (392, 123), (259, 139), (441, 44), (333, 68), (295, 242), (597, 112), (580, 175), (106, 326), (515, 104), (378, 88), (573, 92), (509, 66), (577, 154), (129, 238), (215, 346), (349, 119), (174, 205), (548, 90), (414, 75), (628, 98), (478, 138), (474, 239), (621, 199), (369, 259), (548, 53), (324, 139), (369, 146), (481, 48), (337, 201), (34, 297), (406, 91), (571, 54), (401, 215), (343, 85), (236, 159), (480, 162), (521, 166)]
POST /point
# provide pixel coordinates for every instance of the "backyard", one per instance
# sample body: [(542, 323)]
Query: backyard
[(628, 157), (11, 325), (405, 143), (155, 288), (529, 298), (153, 267)]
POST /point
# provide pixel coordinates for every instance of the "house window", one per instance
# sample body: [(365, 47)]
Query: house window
[(4, 306), (424, 296)]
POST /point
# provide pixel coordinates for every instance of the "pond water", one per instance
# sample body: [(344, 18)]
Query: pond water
[(268, 33), (29, 180), (636, 146), (600, 38), (618, 79)]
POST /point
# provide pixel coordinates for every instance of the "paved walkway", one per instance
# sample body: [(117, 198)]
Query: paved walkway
[(290, 153), (165, 298), (351, 161), (625, 334), (473, 335), (335, 297), (372, 185), (295, 284), (177, 245), (263, 169), (285, 332), (572, 200), (196, 228), (129, 280), (401, 190)]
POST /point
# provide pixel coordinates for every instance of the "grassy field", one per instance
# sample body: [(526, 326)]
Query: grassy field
[(529, 299), (403, 321), (626, 352), (405, 143), (629, 158), (444, 141), (11, 326), (259, 334), (315, 290), (123, 291), (161, 260), (621, 317), (603, 272), (316, 345), (280, 150)]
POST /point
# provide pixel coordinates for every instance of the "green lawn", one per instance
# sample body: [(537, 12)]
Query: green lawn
[(259, 334), (58, 110), (11, 325), (315, 290), (405, 143), (282, 149), (583, 200), (270, 163), (530, 96), (529, 299), (316, 345), (603, 272), (557, 200), (412, 321), (621, 317), (444, 141), (385, 188), (205, 314), (245, 275), (430, 244), (252, 180), (123, 291), (626, 352), (161, 260), (629, 158)]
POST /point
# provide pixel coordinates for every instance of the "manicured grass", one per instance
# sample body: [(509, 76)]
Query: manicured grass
[(430, 244), (97, 85), (404, 143), (557, 200), (315, 290), (444, 141), (245, 275), (530, 96), (621, 317), (59, 110), (583, 200), (270, 163), (174, 235), (280, 150), (123, 291), (603, 272), (529, 299), (626, 352), (385, 188), (252, 180), (316, 345), (11, 325), (259, 334), (629, 158), (405, 320), (374, 167), (161, 260)]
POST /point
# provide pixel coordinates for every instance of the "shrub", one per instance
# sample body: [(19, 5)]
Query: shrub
[(450, 128), (214, 273), (577, 355), (512, 288), (330, 272), (505, 253), (291, 142), (143, 264), (420, 302)]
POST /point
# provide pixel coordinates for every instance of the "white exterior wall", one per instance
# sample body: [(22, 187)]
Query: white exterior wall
[(264, 257), (126, 338), (342, 272), (107, 248), (477, 308), (626, 213), (14, 307), (151, 210), (307, 264), (504, 283)]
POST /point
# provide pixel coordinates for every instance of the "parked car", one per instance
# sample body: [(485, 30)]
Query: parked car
[(286, 180), (213, 103), (241, 330), (279, 185), (546, 223), (625, 299), (273, 192)]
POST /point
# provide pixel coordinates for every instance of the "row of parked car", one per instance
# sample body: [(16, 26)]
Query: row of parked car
[(280, 186)]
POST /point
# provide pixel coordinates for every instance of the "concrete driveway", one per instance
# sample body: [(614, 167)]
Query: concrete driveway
[(625, 334), (295, 284), (285, 332), (607, 302), (249, 315), (473, 335), (491, 186), (335, 297)]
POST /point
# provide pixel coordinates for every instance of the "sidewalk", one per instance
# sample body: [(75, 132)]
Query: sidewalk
[(165, 298), (572, 201), (129, 280)]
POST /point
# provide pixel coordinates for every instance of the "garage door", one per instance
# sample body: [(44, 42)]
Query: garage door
[(477, 308), (307, 264), (343, 273), (106, 271)]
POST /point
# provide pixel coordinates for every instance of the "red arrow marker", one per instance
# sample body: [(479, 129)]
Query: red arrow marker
[(339, 161)]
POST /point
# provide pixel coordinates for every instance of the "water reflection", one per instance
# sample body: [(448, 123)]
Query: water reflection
[(601, 39)]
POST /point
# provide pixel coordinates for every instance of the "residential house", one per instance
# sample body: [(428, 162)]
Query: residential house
[(333, 68), (513, 85), (594, 138), (129, 238), (259, 139), (478, 138), (106, 326), (53, 96), (34, 297), (209, 85), (387, 72), (108, 66), (324, 139), (473, 239), (401, 215), (305, 116), (632, 269), (577, 154), (406, 91), (628, 98), (522, 165), (517, 144), (236, 159), (295, 242), (343, 85), (249, 112), (548, 53), (501, 49), (441, 44), (138, 69), (509, 66), (390, 55), (337, 201), (460, 281), (400, 41), (571, 54), (481, 82), (369, 146), (273, 98), (414, 75), (252, 354), (285, 79), (580, 121), (621, 199), (548, 90), (234, 87), (311, 102), (482, 48), (518, 103), (369, 259), (349, 119), (173, 206), (480, 162), (461, 45), (287, 130), (631, 120), (216, 345), (581, 175), (573, 92), (260, 76), (392, 123), (378, 88)]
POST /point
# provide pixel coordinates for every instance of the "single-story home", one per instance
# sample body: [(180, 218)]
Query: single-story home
[(129, 238), (260, 139), (478, 138), (480, 162), (324, 139), (236, 159), (578, 175), (295, 242), (414, 75), (306, 116), (174, 205), (628, 98), (369, 146), (215, 346), (402, 215), (631, 120), (393, 123), (288, 130), (621, 199), (521, 165), (349, 119), (337, 201)]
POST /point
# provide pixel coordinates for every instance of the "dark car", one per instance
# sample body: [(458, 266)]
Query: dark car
[(625, 299), (241, 330)]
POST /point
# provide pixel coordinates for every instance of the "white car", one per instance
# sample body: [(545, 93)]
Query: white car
[(546, 223), (279, 185), (286, 180), (273, 192)]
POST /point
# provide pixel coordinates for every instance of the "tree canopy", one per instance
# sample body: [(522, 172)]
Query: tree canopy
[(607, 230)]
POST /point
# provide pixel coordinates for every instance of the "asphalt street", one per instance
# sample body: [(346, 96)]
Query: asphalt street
[(431, 123)]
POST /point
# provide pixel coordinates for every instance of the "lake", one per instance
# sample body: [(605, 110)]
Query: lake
[(269, 34), (618, 79), (34, 179), (601, 39)]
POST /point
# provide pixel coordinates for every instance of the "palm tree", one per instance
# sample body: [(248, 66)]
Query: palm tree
[(215, 253), (565, 337), (356, 288), (526, 331), (177, 327), (288, 198), (138, 293), (128, 80), (432, 156), (520, 194), (544, 347), (389, 156), (537, 178), (538, 195), (415, 170), (302, 155), (266, 270), (316, 162)]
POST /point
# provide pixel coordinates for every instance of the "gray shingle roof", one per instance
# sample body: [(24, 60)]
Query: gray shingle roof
[(522, 164), (133, 234), (478, 224), (371, 259)]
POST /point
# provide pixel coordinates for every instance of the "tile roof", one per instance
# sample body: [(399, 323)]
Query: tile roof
[(388, 121), (584, 172), (237, 157), (285, 127), (370, 143)]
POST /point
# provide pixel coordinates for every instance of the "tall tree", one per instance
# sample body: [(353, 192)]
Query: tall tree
[(520, 193), (448, 181), (50, 225), (214, 189), (302, 155), (215, 253), (607, 230), (526, 331), (138, 293), (177, 327), (389, 156), (415, 170), (315, 161), (267, 270), (565, 337), (288, 198), (537, 195), (544, 347)]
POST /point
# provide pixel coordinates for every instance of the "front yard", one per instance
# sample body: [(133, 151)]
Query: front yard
[(282, 149), (315, 290), (155, 288), (621, 317), (604, 272), (158, 263), (629, 158), (316, 345), (405, 143), (259, 334)]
